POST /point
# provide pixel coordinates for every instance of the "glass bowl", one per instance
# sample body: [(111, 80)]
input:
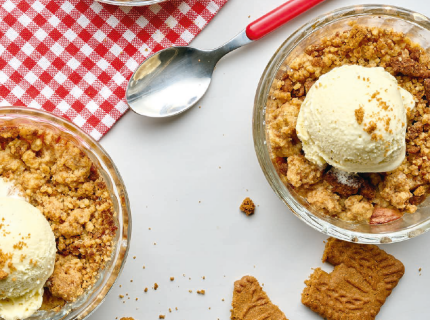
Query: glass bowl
[(92, 298), (131, 3), (415, 26)]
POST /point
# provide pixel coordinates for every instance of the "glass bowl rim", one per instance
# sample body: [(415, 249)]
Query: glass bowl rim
[(259, 127), (97, 295), (131, 3)]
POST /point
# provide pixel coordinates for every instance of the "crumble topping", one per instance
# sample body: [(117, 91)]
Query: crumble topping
[(402, 189), (59, 179)]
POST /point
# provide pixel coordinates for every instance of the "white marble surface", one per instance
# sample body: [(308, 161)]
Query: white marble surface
[(186, 178)]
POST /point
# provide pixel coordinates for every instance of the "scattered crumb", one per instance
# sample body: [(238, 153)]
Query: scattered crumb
[(190, 291), (161, 316), (202, 292), (146, 290), (359, 115), (155, 243), (172, 278), (134, 257), (121, 296), (155, 286), (176, 308), (203, 277), (247, 206), (126, 318), (200, 107), (131, 280), (222, 300), (137, 299), (170, 310), (149, 229), (419, 269), (144, 267)]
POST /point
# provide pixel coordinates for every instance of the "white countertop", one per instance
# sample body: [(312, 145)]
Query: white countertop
[(187, 176)]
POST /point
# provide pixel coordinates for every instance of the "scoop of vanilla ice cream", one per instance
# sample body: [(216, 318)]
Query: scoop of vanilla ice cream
[(27, 257), (354, 118)]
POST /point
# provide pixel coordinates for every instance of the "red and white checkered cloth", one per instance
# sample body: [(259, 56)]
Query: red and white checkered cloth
[(74, 57)]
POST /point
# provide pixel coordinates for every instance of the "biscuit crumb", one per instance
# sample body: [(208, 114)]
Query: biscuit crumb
[(3, 274), (202, 292), (155, 286), (161, 316), (371, 127), (126, 318), (359, 115), (247, 206), (172, 278), (121, 296), (146, 290)]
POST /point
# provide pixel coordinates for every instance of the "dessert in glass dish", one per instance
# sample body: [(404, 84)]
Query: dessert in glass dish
[(348, 135), (60, 218), (342, 121)]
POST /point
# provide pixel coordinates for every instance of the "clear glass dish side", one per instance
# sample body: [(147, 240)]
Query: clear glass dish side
[(415, 26), (93, 297)]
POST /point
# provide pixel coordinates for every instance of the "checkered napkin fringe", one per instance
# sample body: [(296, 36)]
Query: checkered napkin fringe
[(74, 57)]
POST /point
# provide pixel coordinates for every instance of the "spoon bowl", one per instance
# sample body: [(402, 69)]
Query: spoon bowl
[(170, 81)]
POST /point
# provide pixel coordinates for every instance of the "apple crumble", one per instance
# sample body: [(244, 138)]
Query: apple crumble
[(58, 178), (374, 198)]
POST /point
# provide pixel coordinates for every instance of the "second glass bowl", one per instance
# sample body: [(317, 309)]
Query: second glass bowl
[(414, 25), (92, 298)]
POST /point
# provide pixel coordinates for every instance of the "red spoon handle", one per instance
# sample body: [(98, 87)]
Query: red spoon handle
[(276, 18)]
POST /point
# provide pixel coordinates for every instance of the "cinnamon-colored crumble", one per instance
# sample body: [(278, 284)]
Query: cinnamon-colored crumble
[(247, 206), (359, 115), (397, 190), (59, 179), (4, 260)]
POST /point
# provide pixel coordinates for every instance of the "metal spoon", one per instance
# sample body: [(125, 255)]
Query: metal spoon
[(174, 79)]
